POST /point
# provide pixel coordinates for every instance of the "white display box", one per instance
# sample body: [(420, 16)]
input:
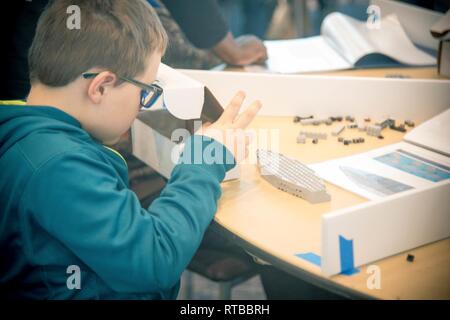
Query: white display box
[(382, 228)]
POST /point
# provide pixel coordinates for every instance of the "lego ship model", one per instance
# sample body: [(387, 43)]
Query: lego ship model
[(291, 176)]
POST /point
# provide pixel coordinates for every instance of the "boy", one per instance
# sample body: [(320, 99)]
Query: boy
[(66, 209)]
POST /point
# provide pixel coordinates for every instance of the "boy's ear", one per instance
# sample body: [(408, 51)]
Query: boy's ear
[(100, 85)]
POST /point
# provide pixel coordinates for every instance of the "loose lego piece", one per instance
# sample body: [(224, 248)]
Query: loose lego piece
[(352, 126), (410, 258), (350, 118), (386, 123), (380, 137), (315, 141), (410, 123), (397, 75), (341, 139), (367, 119), (316, 122), (374, 130), (307, 121), (361, 127), (338, 119), (400, 128), (299, 119), (347, 142), (301, 138), (337, 131), (314, 135), (358, 140)]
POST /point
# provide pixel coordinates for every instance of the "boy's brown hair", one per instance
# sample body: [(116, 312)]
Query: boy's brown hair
[(118, 35)]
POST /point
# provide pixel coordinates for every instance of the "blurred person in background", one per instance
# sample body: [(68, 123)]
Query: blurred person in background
[(200, 25), (199, 38), (248, 16)]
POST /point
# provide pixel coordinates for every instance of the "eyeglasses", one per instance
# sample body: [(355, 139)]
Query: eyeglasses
[(149, 93)]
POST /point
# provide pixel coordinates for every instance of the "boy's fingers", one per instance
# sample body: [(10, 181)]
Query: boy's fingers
[(245, 118), (233, 108)]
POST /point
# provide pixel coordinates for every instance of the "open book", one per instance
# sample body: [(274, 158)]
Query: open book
[(345, 43)]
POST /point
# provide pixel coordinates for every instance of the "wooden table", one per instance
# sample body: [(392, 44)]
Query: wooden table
[(274, 225)]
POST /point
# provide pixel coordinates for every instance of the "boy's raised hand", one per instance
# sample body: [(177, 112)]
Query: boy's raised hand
[(229, 128)]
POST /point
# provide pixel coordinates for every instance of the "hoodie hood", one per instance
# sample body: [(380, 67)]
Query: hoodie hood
[(19, 121)]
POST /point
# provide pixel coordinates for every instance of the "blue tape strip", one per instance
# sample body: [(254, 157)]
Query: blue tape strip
[(346, 253), (310, 257), (154, 4)]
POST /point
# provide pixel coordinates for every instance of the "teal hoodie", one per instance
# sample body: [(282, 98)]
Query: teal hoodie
[(65, 201)]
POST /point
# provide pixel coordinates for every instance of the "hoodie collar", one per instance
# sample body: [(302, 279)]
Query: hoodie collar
[(58, 114)]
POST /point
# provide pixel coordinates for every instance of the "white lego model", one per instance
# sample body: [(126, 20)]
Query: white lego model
[(313, 135)]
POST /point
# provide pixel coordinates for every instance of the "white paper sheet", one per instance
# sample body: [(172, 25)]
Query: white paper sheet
[(301, 55), (433, 134)]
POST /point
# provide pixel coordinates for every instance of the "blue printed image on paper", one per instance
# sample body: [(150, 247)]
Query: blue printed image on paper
[(415, 165)]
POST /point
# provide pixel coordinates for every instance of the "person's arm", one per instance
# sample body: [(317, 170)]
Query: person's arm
[(201, 21), (244, 50), (78, 199), (131, 248), (204, 25), (181, 53)]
